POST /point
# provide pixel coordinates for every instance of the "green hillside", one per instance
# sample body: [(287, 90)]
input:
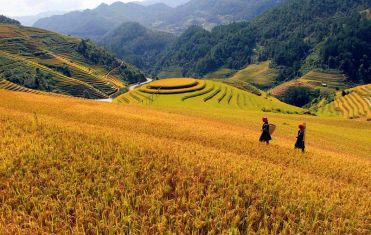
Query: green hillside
[(136, 44), (41, 60), (204, 94), (6, 20), (325, 81), (297, 36), (259, 75)]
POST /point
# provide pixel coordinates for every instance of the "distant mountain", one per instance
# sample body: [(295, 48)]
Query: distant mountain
[(36, 59), (31, 19), (209, 13), (136, 44), (94, 24), (171, 3), (6, 20)]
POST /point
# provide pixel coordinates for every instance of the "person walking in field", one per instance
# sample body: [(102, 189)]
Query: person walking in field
[(265, 136), (300, 139)]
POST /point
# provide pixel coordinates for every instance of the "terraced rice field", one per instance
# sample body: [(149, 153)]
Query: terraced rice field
[(259, 75), (26, 49), (202, 94), (67, 85), (4, 84), (325, 81), (173, 86), (334, 81), (356, 104), (74, 166)]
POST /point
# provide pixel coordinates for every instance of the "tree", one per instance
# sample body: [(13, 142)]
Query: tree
[(300, 96)]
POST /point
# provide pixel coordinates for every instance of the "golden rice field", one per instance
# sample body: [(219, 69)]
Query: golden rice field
[(173, 86), (356, 104), (4, 84), (74, 166), (202, 94)]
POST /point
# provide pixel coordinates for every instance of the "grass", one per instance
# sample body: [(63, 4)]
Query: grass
[(208, 95), (176, 170)]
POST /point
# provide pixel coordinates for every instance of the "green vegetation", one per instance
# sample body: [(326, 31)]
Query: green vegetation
[(136, 44), (221, 73), (6, 20), (300, 96), (297, 36), (259, 75), (207, 95), (99, 56), (96, 23), (199, 52), (327, 82), (46, 61), (287, 35), (349, 51)]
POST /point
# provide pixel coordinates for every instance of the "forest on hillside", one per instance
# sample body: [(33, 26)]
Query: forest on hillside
[(297, 36)]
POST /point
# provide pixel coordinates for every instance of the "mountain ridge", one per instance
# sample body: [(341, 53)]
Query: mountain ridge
[(157, 16)]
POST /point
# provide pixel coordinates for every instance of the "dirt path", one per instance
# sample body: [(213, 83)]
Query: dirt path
[(132, 87)]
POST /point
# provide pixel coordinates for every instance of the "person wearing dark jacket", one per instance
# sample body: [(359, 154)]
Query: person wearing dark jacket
[(300, 142), (265, 136)]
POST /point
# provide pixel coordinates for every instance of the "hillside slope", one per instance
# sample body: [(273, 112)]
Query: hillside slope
[(297, 36), (136, 44), (354, 103), (6, 20), (137, 170), (325, 81), (46, 61), (210, 13), (203, 94), (259, 75)]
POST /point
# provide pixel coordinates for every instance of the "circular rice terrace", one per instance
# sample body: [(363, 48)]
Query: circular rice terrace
[(202, 93), (173, 86)]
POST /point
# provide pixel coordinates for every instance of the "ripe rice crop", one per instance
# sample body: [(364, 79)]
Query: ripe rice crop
[(230, 97), (176, 171), (353, 105), (174, 89), (216, 92), (173, 83), (199, 93), (209, 97), (223, 95)]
